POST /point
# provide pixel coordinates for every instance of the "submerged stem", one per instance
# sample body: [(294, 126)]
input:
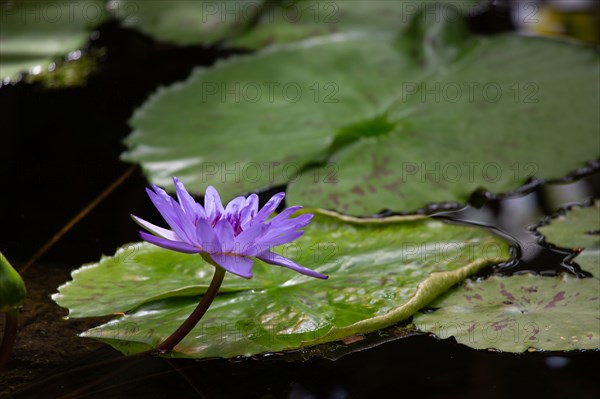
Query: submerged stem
[(193, 319), (9, 336)]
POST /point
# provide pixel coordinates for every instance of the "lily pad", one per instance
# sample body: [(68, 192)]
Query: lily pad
[(529, 312), (286, 22), (186, 22), (381, 271), (255, 24), (34, 33), (578, 229), (365, 122), (519, 313)]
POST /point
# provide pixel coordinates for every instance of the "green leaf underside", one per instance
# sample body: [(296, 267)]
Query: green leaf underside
[(381, 272), (449, 114), (34, 32), (530, 312), (519, 313), (579, 229)]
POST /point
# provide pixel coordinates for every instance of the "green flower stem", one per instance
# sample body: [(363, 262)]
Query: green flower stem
[(187, 326), (10, 333)]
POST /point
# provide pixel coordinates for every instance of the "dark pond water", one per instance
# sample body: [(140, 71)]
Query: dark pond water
[(60, 149)]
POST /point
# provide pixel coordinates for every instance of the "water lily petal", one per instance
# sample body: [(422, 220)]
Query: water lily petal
[(213, 205), (209, 241), (270, 241), (248, 242), (269, 207), (187, 202), (286, 227), (166, 210), (249, 210), (284, 214), (186, 224), (291, 224), (172, 245), (234, 206), (239, 265), (275, 259), (232, 213), (224, 231), (156, 230)]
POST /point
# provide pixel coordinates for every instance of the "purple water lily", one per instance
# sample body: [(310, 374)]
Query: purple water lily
[(229, 237)]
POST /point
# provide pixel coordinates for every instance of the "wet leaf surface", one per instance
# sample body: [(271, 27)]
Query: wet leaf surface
[(527, 312), (381, 271), (519, 313)]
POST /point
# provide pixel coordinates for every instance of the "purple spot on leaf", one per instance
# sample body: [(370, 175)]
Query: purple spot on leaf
[(530, 290), (335, 198), (557, 298), (501, 324), (506, 294), (358, 191), (476, 296)]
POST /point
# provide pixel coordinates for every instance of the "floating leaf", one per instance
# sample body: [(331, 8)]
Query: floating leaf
[(12, 287), (522, 312), (33, 33), (578, 229), (254, 24), (186, 22), (291, 21), (519, 313), (381, 271), (389, 123)]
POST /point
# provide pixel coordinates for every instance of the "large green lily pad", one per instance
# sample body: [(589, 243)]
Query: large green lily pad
[(519, 313), (529, 312), (365, 122), (33, 33), (381, 271)]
